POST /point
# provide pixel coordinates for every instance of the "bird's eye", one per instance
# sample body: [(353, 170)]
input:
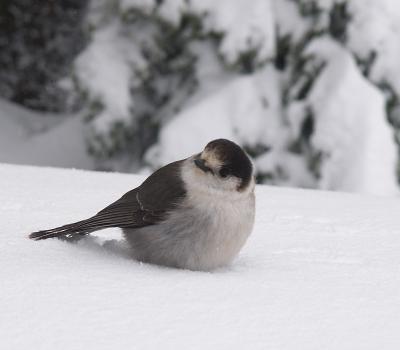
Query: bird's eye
[(224, 172)]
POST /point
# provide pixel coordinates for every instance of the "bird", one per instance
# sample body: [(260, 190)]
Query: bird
[(194, 214)]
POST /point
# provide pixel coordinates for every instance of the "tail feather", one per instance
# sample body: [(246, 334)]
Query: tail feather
[(118, 214), (95, 223), (80, 227)]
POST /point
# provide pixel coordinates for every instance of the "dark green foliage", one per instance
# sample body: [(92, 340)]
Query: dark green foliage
[(339, 17), (366, 64), (256, 150), (283, 49), (307, 127), (392, 103), (247, 61), (38, 41), (270, 177), (393, 115), (308, 8)]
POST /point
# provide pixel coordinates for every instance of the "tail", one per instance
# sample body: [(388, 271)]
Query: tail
[(83, 227), (76, 228), (118, 214)]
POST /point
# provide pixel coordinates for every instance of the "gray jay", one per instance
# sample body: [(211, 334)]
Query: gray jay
[(194, 213)]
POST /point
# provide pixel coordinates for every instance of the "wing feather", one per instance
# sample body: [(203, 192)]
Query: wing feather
[(145, 205)]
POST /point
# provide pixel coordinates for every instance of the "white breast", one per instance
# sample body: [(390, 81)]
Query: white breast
[(223, 222), (222, 232)]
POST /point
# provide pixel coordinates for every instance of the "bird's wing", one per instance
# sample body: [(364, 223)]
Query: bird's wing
[(162, 192), (148, 204), (145, 205)]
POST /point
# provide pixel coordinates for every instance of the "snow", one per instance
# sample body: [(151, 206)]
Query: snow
[(264, 109), (104, 70), (34, 138), (288, 19), (246, 27), (17, 123), (375, 27), (244, 110), (320, 271), (356, 138)]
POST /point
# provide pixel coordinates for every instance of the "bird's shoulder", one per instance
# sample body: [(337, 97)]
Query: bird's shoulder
[(164, 189), (151, 202)]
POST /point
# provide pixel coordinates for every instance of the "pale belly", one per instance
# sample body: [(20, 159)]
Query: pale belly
[(196, 239)]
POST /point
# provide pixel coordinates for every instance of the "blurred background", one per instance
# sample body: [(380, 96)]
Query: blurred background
[(310, 88)]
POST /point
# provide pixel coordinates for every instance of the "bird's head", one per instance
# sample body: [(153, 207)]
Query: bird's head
[(222, 166)]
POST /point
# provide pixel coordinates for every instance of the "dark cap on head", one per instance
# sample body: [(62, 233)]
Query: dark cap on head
[(234, 160)]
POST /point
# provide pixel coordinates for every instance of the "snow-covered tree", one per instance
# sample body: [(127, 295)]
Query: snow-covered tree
[(310, 88), (296, 82)]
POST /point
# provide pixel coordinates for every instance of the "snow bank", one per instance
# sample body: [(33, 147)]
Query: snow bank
[(33, 138), (18, 123), (320, 271)]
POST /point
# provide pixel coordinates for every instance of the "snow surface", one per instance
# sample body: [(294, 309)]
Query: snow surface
[(320, 271)]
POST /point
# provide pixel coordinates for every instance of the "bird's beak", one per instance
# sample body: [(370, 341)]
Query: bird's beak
[(201, 164)]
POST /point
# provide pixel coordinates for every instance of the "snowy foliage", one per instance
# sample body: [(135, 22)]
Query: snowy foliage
[(257, 74), (310, 88)]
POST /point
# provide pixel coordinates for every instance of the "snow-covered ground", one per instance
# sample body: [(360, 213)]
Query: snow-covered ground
[(320, 271)]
